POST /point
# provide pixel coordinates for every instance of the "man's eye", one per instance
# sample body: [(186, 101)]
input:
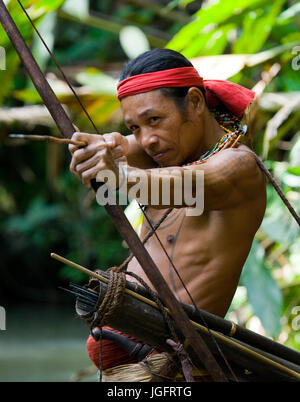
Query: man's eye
[(154, 119), (133, 128)]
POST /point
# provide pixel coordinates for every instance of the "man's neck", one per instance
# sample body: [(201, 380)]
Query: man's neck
[(211, 134)]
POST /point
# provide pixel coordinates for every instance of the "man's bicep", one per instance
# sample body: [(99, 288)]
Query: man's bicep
[(230, 178)]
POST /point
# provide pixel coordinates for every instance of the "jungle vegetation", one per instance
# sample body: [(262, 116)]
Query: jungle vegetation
[(43, 208)]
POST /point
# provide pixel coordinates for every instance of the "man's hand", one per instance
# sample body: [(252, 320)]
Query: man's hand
[(99, 154)]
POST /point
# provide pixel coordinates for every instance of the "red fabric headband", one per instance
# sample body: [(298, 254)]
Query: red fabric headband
[(235, 97)]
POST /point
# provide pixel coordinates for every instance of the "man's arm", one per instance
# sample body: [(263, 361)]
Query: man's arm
[(230, 177)]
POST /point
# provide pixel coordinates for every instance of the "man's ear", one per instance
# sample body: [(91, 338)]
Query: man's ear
[(196, 100)]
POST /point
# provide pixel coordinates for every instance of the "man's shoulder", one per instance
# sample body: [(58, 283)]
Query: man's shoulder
[(238, 153), (239, 166), (240, 159)]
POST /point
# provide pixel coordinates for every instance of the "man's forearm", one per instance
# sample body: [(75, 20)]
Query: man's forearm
[(162, 188)]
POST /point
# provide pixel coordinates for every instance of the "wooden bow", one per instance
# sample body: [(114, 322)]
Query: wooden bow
[(115, 212)]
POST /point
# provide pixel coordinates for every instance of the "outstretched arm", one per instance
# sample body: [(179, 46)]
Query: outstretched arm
[(230, 177)]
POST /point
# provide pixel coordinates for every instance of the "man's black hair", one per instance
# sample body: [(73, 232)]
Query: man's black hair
[(155, 60), (165, 59), (158, 60)]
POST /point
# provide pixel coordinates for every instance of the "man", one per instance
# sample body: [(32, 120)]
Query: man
[(181, 122)]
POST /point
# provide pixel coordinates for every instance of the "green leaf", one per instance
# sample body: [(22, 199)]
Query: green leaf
[(292, 180), (278, 225), (289, 13), (257, 26), (37, 10), (97, 81), (212, 43), (46, 5), (263, 292), (294, 170), (209, 15), (295, 152)]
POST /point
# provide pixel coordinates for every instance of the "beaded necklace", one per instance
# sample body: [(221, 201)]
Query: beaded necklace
[(227, 139)]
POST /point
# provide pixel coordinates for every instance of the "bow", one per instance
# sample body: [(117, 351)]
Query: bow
[(115, 212)]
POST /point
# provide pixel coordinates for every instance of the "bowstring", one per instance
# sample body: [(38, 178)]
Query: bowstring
[(144, 213)]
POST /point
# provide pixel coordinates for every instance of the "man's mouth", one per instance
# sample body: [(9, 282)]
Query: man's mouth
[(159, 156)]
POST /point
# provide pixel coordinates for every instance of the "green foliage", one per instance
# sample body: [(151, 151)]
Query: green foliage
[(36, 224), (205, 20), (37, 11), (257, 23), (263, 292)]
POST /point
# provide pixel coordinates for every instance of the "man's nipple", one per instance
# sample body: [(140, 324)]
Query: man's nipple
[(170, 238)]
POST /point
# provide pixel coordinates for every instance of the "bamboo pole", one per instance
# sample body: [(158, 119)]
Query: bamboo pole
[(220, 325)]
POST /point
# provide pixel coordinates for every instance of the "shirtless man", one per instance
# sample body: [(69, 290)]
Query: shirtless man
[(174, 128)]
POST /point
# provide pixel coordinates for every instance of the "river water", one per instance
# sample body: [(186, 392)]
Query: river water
[(43, 343)]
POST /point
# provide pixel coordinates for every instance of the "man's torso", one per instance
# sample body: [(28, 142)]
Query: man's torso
[(208, 251)]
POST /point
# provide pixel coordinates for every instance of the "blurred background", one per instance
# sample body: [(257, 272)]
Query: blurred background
[(43, 208)]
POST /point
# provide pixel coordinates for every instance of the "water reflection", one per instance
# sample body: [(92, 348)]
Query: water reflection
[(43, 343)]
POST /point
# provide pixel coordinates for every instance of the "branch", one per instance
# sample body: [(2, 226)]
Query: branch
[(104, 23), (175, 16)]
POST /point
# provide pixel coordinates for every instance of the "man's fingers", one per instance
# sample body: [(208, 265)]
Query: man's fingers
[(89, 163), (97, 155), (90, 174), (117, 152), (89, 151), (110, 140), (72, 148)]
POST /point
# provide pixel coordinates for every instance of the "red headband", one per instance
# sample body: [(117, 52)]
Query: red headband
[(235, 97)]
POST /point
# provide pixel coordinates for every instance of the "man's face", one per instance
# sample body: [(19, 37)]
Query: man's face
[(159, 127)]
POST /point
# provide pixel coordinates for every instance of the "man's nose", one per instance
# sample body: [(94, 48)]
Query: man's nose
[(149, 139)]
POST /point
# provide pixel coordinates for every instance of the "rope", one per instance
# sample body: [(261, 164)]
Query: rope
[(167, 372), (112, 299), (184, 359)]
